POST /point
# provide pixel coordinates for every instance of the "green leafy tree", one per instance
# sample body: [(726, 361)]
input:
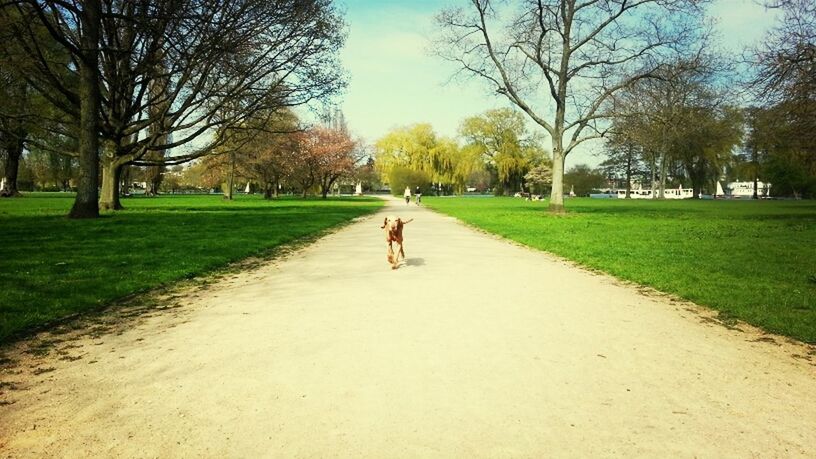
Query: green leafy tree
[(431, 158), (623, 156), (707, 138), (583, 179), (780, 152), (501, 138)]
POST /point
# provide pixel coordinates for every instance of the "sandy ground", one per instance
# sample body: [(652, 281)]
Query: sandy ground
[(474, 347)]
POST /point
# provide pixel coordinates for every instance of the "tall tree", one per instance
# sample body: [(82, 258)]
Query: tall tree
[(324, 155), (785, 80), (780, 152), (75, 26), (176, 71), (583, 51), (13, 127), (623, 155), (336, 154), (269, 157), (412, 147), (707, 137), (665, 118), (501, 138), (583, 179), (26, 118), (785, 62)]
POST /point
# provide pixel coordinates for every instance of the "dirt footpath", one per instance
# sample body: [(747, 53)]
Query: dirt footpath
[(473, 348)]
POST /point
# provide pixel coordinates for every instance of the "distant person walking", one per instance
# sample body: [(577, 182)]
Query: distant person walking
[(418, 193), (407, 195)]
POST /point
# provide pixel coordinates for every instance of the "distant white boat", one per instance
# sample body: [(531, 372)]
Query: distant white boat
[(668, 193), (720, 193), (746, 189)]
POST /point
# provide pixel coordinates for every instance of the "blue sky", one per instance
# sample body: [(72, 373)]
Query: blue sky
[(394, 80)]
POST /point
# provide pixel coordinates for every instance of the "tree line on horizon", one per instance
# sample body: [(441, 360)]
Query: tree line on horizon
[(96, 95)]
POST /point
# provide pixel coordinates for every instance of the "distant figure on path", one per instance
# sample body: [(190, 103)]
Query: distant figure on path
[(407, 195), (418, 193)]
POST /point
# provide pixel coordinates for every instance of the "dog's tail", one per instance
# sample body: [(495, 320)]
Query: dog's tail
[(405, 222)]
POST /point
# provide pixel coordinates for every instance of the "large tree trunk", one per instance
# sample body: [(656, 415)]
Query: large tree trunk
[(663, 170), (111, 176), (697, 176), (124, 180), (154, 177), (231, 179), (14, 142), (557, 195), (326, 187), (629, 155), (697, 188), (86, 204), (13, 153), (755, 162)]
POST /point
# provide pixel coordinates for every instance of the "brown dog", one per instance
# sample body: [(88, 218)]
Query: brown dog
[(393, 233)]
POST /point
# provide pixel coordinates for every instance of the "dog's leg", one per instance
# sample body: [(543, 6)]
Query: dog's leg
[(402, 252), (393, 256)]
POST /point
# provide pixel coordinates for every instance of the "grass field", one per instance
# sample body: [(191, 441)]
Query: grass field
[(51, 267), (750, 260)]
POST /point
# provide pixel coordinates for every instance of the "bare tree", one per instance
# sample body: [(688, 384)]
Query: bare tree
[(581, 52), (786, 60), (682, 121), (785, 66), (651, 111)]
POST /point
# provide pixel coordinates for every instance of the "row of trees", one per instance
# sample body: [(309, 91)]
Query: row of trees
[(122, 83), (634, 71), (683, 126), (677, 127), (495, 150), (781, 144), (279, 155)]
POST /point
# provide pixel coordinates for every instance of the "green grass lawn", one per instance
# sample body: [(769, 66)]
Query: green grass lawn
[(51, 267), (750, 260)]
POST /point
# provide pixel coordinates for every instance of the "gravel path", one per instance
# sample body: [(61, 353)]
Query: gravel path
[(474, 347)]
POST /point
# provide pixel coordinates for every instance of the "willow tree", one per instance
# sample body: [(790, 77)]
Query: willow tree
[(415, 148), (412, 147), (560, 61), (501, 138)]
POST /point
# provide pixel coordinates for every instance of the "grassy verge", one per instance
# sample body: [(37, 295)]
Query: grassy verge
[(52, 267), (754, 261)]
